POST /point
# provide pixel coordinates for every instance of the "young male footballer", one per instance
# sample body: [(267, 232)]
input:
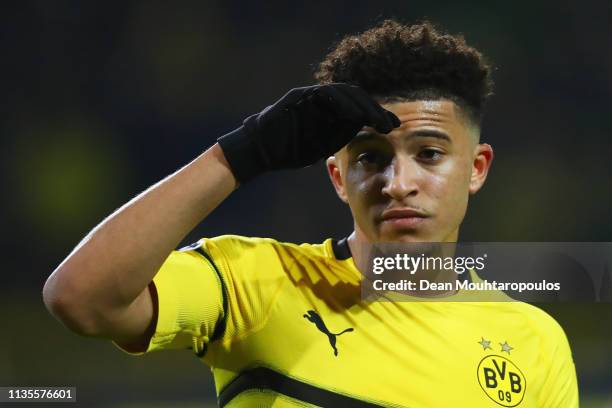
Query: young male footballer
[(396, 113)]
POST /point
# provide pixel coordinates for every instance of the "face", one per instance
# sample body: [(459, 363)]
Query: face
[(413, 184)]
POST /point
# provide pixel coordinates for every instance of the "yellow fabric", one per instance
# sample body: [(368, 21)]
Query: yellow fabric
[(189, 303), (409, 354)]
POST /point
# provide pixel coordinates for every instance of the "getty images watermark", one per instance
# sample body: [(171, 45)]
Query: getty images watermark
[(447, 265), (538, 272)]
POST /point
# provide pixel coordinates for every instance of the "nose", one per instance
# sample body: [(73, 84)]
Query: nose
[(400, 179)]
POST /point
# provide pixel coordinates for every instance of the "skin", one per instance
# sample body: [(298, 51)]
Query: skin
[(432, 163), (102, 290)]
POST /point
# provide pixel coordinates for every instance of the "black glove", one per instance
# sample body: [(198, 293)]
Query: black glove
[(302, 127)]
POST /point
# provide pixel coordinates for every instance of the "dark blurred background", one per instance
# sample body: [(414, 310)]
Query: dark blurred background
[(101, 100)]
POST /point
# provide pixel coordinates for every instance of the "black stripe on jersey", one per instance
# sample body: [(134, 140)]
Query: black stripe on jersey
[(221, 324), (341, 249), (263, 378)]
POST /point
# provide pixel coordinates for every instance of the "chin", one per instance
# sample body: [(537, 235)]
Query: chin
[(404, 237)]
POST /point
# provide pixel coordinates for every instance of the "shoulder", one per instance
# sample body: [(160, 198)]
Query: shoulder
[(542, 321), (263, 257), (530, 320), (239, 245), (543, 325)]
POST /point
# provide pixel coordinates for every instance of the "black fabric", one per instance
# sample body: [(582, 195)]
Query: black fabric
[(304, 126), (263, 378), (236, 146), (221, 324), (341, 249)]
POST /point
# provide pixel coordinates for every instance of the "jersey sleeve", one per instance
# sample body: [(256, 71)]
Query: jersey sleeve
[(252, 274), (560, 388), (189, 301)]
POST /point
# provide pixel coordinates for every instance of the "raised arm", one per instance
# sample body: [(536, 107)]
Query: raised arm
[(100, 289)]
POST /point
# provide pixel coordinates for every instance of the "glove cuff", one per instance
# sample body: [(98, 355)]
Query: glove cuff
[(242, 153)]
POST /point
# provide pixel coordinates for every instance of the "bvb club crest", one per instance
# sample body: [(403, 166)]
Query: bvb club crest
[(501, 380)]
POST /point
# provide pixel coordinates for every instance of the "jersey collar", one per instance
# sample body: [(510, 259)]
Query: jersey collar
[(341, 249)]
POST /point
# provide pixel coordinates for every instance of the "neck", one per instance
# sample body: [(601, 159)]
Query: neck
[(360, 247)]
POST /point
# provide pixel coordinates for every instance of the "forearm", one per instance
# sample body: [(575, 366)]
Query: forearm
[(100, 288), (116, 261)]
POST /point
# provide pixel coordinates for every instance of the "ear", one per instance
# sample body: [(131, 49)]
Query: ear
[(335, 175), (483, 157)]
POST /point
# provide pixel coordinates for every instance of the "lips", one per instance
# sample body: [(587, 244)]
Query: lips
[(403, 217), (402, 213)]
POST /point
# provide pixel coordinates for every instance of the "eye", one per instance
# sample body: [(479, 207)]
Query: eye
[(430, 155), (367, 158)]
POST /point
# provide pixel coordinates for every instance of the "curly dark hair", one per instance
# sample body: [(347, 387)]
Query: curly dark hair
[(394, 61)]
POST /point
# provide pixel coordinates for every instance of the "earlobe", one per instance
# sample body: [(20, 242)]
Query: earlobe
[(335, 175), (483, 157)]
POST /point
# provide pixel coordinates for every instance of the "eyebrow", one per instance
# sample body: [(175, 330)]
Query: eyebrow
[(438, 134), (366, 135)]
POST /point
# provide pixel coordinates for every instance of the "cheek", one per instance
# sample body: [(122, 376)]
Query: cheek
[(450, 189), (364, 197), (363, 189)]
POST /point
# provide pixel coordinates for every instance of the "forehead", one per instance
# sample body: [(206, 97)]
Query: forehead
[(436, 113), (441, 119)]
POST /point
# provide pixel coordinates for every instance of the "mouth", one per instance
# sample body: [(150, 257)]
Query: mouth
[(403, 218)]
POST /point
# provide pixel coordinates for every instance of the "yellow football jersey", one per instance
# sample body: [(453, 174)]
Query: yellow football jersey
[(284, 325)]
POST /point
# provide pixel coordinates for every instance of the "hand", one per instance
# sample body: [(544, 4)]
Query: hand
[(304, 126)]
